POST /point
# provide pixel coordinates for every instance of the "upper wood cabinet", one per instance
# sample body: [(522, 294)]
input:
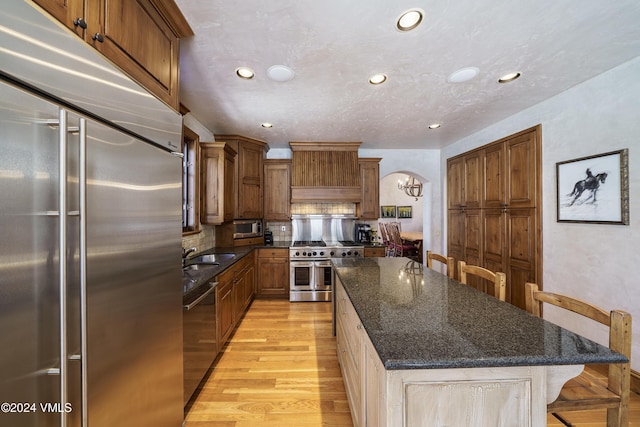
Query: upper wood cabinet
[(217, 182), (370, 182), (464, 177), (139, 36), (249, 174), (277, 189)]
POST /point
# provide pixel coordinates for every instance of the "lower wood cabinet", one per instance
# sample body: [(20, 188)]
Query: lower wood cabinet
[(378, 251), (273, 273), (234, 293)]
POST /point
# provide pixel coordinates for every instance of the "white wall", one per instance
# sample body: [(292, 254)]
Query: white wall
[(597, 263), (424, 165), (391, 196)]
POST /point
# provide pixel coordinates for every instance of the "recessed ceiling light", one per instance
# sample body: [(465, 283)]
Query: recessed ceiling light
[(409, 20), (245, 73), (434, 126), (266, 125), (377, 79), (509, 77), (463, 75), (280, 73)]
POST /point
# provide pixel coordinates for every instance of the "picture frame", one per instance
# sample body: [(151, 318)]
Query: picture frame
[(405, 211), (387, 211), (594, 189)]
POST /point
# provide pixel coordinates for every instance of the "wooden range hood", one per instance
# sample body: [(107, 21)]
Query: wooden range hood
[(325, 172)]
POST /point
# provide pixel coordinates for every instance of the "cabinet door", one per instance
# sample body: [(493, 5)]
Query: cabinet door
[(277, 190), (495, 246), (472, 179), (212, 190), (522, 170), (521, 261), (370, 182), (65, 11), (273, 273), (494, 176), (249, 180), (224, 308), (455, 236), (455, 190), (137, 39)]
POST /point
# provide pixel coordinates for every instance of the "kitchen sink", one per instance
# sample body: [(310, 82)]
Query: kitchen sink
[(201, 266), (211, 258)]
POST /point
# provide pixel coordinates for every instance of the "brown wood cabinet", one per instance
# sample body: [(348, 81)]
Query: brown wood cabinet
[(494, 216), (234, 293), (248, 175), (217, 181), (369, 206), (378, 251), (277, 189), (273, 273), (139, 36)]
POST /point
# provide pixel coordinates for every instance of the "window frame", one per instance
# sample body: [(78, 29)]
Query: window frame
[(190, 182)]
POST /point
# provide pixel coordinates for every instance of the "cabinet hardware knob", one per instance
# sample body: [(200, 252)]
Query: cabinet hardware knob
[(98, 37), (79, 22)]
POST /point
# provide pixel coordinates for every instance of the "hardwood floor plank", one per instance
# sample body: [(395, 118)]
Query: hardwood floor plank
[(280, 369)]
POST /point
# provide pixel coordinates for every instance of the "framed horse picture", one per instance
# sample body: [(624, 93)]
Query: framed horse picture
[(594, 188)]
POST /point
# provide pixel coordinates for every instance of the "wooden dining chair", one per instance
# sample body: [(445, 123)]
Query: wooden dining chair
[(401, 249), (587, 391), (498, 279), (448, 261), (388, 246)]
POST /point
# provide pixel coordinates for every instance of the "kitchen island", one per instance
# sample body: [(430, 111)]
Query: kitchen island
[(419, 349)]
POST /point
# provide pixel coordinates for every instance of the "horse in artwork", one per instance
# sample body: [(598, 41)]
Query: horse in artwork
[(591, 183)]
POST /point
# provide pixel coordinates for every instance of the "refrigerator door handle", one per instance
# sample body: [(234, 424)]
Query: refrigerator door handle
[(82, 196), (62, 251)]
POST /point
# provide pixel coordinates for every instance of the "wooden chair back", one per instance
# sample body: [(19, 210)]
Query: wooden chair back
[(400, 248), (587, 391), (385, 239), (448, 261), (497, 280)]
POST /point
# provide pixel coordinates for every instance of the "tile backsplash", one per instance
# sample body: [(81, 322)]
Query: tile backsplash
[(206, 239)]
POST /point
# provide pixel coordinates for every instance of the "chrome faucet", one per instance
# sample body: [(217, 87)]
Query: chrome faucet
[(185, 254)]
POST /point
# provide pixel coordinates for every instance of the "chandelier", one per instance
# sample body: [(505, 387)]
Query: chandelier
[(412, 187)]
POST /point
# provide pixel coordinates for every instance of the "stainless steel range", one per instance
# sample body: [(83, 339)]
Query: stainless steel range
[(311, 274)]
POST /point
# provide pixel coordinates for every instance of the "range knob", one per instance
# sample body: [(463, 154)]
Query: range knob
[(309, 254), (321, 253), (304, 253), (297, 253), (332, 253), (355, 253), (344, 254), (349, 253), (315, 253)]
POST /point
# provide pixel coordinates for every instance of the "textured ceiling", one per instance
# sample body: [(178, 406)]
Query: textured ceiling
[(334, 46)]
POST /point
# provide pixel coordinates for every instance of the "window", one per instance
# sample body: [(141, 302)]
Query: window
[(190, 206)]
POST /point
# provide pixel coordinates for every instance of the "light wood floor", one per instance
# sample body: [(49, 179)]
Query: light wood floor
[(280, 369)]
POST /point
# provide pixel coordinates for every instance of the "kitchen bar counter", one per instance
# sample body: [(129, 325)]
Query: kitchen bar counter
[(408, 335)]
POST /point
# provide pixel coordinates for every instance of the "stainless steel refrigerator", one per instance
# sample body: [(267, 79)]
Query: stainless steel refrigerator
[(90, 238)]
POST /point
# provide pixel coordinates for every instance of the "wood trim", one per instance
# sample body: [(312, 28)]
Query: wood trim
[(324, 146), (325, 194), (174, 18)]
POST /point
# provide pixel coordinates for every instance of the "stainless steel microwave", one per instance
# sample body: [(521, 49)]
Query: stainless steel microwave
[(244, 228)]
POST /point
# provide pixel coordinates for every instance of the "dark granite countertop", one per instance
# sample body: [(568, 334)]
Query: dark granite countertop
[(195, 282), (418, 318)]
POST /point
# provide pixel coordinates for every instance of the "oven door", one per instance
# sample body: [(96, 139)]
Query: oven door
[(301, 273), (323, 276)]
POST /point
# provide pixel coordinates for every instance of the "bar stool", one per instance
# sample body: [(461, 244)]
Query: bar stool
[(448, 261), (498, 280)]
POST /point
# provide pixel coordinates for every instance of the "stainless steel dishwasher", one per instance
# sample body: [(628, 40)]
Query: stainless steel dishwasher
[(200, 343)]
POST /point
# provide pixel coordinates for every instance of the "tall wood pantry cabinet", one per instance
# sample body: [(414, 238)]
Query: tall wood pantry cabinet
[(494, 210), (139, 36)]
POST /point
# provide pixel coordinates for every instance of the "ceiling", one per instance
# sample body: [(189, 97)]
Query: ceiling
[(334, 46)]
